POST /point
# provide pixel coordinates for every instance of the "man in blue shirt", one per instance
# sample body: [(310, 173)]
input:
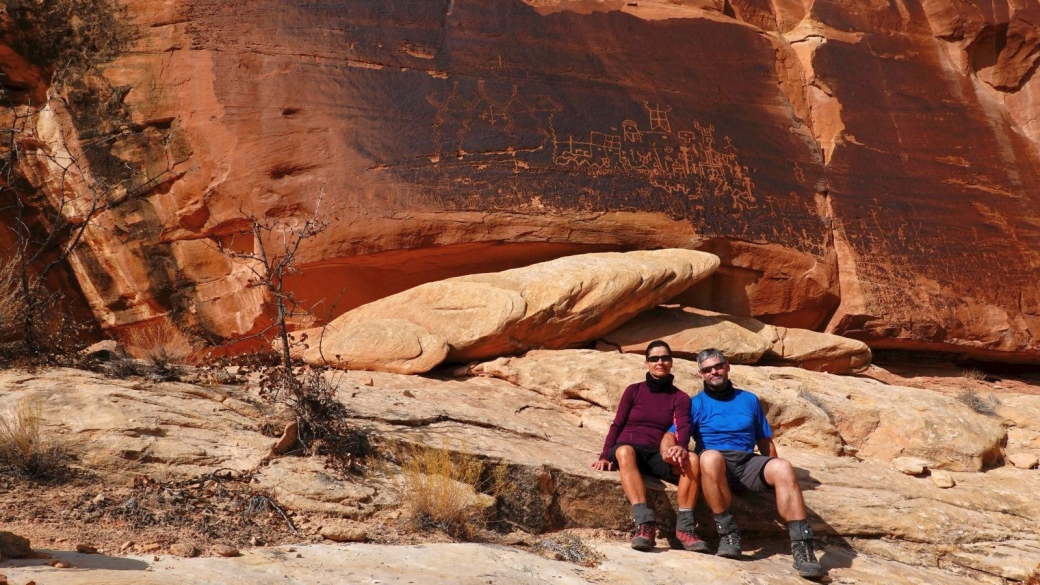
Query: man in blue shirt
[(727, 424)]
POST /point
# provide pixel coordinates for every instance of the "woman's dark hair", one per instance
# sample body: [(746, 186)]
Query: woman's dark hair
[(657, 343)]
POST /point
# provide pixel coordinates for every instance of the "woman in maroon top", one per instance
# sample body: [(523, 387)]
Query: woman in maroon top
[(646, 411)]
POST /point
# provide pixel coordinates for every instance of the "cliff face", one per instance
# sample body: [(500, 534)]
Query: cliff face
[(866, 167)]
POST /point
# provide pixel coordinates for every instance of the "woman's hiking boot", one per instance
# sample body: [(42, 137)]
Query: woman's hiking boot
[(645, 537), (729, 545), (805, 560)]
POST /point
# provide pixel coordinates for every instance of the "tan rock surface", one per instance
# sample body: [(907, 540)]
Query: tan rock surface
[(537, 433), (552, 305), (472, 564), (687, 331), (136, 427)]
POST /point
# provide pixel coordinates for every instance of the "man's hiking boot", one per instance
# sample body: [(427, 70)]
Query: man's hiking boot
[(729, 545), (690, 541), (645, 537), (805, 560)]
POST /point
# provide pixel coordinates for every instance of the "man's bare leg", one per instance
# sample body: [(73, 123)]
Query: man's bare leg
[(714, 483), (791, 505), (719, 497), (789, 501)]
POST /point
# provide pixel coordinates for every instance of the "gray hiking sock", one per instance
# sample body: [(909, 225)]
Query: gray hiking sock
[(685, 521), (725, 523), (641, 514), (799, 530)]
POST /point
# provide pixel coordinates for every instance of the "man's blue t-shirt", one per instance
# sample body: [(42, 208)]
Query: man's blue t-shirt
[(736, 424)]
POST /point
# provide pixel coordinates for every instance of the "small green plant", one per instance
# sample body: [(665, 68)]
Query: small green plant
[(448, 490), (981, 404), (24, 449), (569, 548)]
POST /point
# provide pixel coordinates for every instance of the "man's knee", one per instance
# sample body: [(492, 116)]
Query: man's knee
[(712, 463), (780, 474)]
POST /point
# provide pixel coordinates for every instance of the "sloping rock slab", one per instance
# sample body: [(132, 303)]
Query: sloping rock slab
[(137, 427)]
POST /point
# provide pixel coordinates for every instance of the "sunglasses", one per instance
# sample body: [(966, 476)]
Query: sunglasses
[(718, 366), (658, 358)]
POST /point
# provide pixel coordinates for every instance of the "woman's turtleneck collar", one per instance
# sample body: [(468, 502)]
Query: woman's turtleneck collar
[(724, 393), (659, 384)]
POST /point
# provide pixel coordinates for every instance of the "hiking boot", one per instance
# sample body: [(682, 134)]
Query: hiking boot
[(805, 560), (644, 538), (729, 545), (690, 541)]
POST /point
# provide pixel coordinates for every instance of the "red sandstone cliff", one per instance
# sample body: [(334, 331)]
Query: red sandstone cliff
[(867, 168)]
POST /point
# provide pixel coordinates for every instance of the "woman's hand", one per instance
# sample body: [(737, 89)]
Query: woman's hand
[(603, 465), (675, 455)]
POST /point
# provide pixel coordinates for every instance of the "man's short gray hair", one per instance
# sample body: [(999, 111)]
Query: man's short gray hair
[(709, 353)]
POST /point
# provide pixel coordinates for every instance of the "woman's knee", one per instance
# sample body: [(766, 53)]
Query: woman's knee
[(625, 454)]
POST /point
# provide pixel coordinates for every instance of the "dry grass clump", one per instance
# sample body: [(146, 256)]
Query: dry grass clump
[(448, 491), (163, 347), (24, 449), (974, 374), (162, 343), (981, 404), (569, 548)]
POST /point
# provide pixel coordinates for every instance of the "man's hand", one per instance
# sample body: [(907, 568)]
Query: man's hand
[(675, 455), (603, 465)]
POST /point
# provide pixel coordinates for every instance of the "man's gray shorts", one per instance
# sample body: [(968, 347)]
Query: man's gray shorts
[(746, 471)]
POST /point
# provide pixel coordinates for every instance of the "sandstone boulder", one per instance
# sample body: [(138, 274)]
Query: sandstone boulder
[(943, 479), (821, 352), (344, 531), (880, 421), (14, 546), (910, 465), (688, 331), (389, 345), (553, 304), (1023, 460)]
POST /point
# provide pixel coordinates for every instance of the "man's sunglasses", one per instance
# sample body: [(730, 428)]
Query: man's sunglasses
[(718, 366), (658, 358)]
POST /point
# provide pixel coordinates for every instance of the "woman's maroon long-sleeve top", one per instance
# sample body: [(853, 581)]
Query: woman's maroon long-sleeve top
[(644, 416)]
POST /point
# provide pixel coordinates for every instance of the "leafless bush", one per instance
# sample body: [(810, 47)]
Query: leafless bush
[(24, 449), (310, 394), (981, 404), (569, 548)]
